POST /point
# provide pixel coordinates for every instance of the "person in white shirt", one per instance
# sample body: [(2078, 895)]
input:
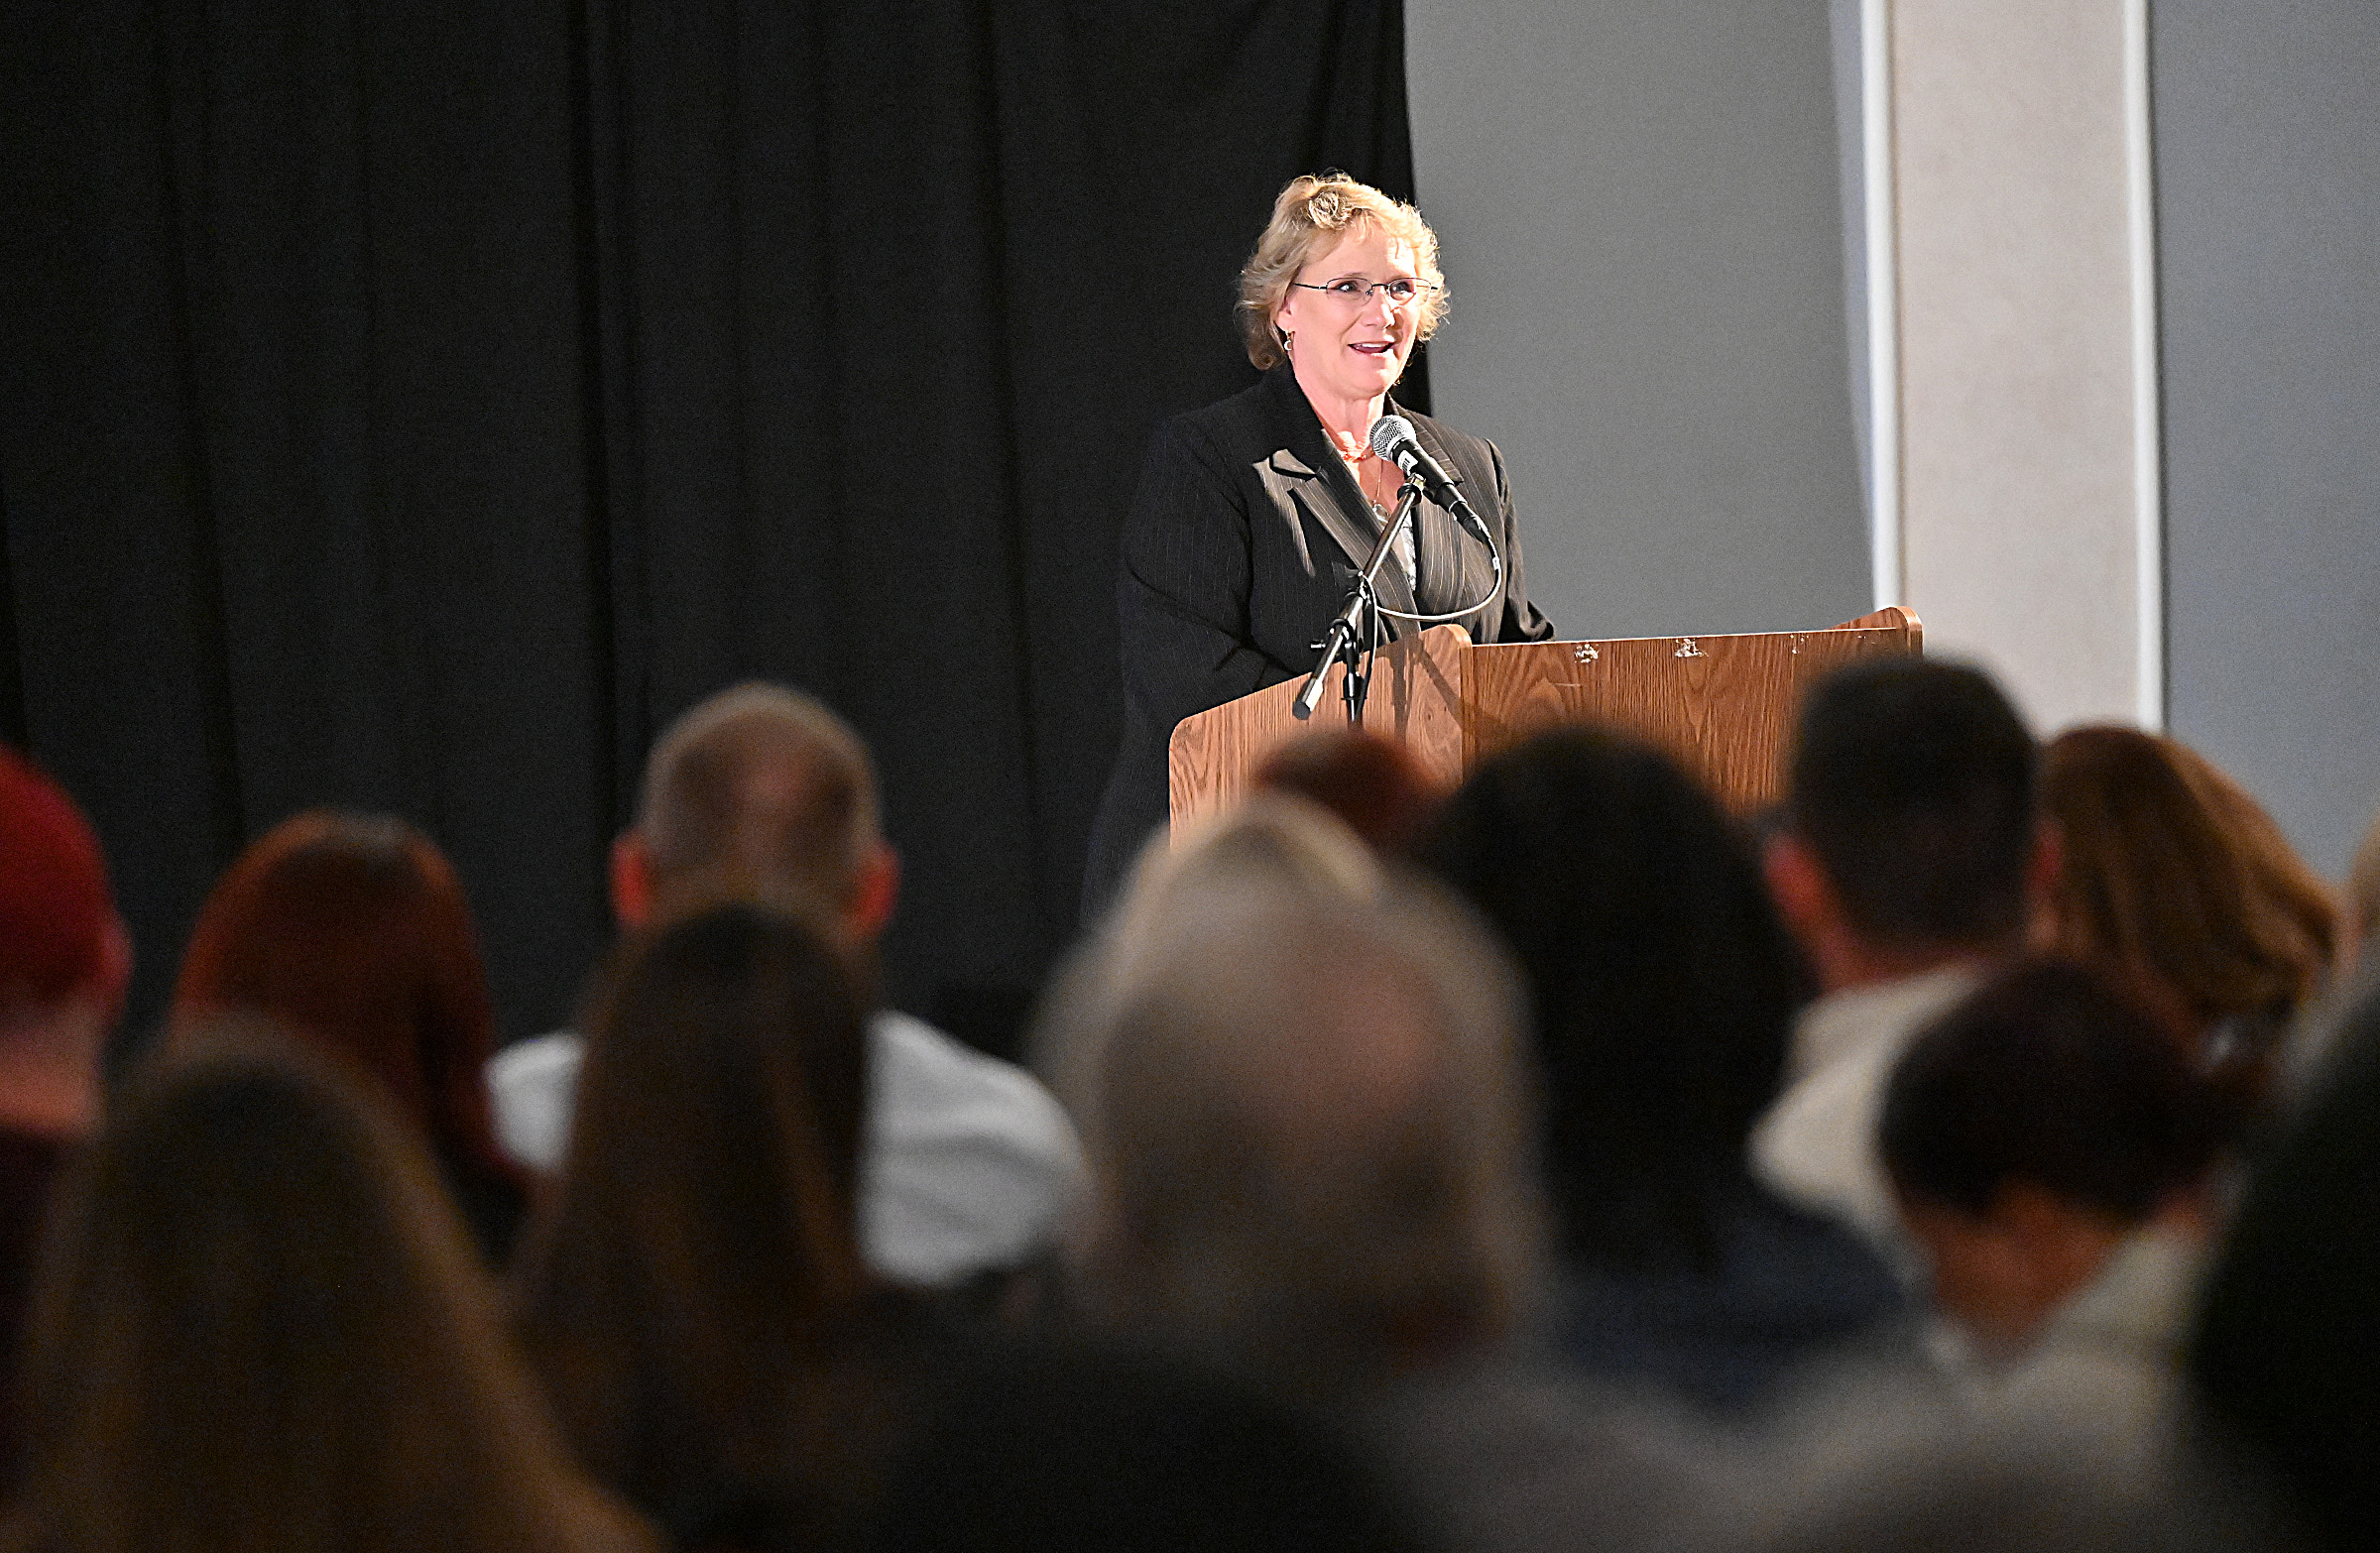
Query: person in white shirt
[(1909, 863), (761, 794)]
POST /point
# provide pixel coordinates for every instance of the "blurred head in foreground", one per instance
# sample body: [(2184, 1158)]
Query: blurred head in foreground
[(65, 960), (1663, 982), (1370, 783), (761, 794), (2178, 883), (351, 932), (701, 1254), (1909, 837), (2028, 1132), (1297, 1081), (2284, 1353), (259, 1326)]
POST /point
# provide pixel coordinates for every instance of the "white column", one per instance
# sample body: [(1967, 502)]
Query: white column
[(2023, 269)]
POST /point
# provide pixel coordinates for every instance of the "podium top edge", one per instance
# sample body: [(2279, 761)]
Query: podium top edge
[(1835, 632)]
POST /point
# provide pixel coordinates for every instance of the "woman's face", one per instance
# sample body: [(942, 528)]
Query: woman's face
[(1351, 346)]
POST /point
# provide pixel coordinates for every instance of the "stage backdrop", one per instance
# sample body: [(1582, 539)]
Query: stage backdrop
[(415, 408)]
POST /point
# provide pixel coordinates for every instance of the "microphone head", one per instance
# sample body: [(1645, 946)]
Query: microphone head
[(1387, 432)]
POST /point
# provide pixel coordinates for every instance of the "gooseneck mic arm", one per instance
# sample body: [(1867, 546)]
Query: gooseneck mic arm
[(1394, 438), (1358, 617)]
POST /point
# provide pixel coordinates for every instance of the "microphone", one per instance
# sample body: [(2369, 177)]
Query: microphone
[(1393, 439)]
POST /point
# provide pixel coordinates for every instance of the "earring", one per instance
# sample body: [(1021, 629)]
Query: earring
[(1287, 340)]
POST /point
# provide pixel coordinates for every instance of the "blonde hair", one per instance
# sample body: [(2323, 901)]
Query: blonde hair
[(1308, 219)]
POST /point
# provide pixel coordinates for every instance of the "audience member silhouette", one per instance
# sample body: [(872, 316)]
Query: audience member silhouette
[(1269, 989), (2176, 880), (1370, 783), (696, 1299), (2049, 1146), (352, 933), (1302, 1098), (1090, 1452), (1663, 989), (2284, 1353), (64, 961), (763, 795), (259, 1325), (1908, 863)]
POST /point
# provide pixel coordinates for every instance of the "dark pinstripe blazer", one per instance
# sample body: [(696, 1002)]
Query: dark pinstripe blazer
[(1242, 543)]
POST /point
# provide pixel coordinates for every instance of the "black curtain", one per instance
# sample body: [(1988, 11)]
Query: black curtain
[(415, 408)]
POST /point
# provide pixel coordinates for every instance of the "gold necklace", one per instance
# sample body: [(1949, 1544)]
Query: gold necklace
[(1354, 466)]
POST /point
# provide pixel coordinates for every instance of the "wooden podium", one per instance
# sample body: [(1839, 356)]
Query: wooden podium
[(1723, 705)]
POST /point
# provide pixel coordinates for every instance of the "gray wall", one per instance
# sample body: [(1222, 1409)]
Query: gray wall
[(2267, 133), (1640, 209)]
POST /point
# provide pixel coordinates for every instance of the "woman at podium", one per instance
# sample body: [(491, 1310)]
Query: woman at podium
[(1255, 514)]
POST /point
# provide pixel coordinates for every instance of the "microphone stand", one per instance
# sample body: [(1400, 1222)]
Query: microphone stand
[(1360, 616)]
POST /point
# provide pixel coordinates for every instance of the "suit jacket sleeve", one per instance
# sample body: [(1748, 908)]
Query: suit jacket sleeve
[(1522, 620), (1182, 592)]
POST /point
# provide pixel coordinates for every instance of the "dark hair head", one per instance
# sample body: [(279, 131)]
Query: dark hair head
[(1372, 782), (352, 933), (1913, 784), (703, 1236), (1663, 984), (257, 1325), (2052, 1077)]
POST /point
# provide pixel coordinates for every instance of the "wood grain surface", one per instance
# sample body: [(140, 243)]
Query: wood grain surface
[(1417, 696), (1723, 706)]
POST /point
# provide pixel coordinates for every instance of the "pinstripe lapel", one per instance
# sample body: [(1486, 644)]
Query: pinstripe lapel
[(1317, 495), (1452, 568)]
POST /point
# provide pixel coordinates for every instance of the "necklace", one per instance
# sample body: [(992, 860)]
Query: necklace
[(1355, 461)]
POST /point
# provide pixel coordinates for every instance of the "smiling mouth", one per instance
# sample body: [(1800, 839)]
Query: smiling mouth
[(1373, 348)]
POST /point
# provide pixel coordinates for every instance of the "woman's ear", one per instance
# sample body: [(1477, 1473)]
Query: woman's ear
[(1284, 317)]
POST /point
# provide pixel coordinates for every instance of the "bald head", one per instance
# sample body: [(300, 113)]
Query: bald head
[(759, 794)]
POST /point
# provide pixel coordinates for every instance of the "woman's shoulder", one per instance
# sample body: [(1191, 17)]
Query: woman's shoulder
[(1460, 443), (1255, 415)]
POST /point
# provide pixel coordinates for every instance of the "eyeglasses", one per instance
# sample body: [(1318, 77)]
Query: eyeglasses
[(1355, 294)]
